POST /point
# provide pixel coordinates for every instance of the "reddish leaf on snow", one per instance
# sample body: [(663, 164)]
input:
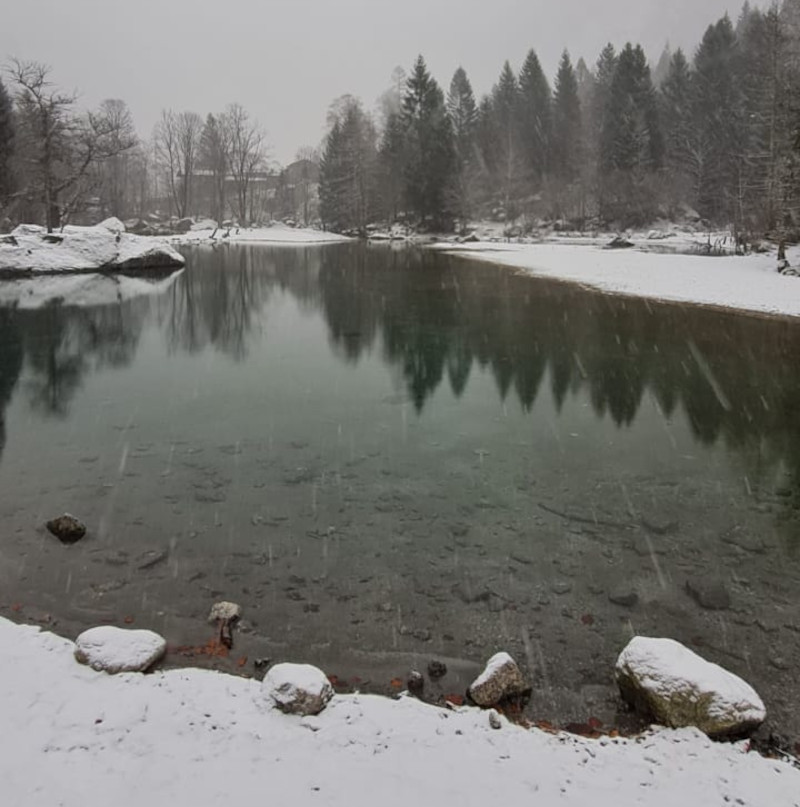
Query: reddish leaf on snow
[(456, 700), (545, 725)]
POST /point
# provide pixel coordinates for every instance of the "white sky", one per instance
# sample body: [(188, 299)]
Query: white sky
[(285, 60)]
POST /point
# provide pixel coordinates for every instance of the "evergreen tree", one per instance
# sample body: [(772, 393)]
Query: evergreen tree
[(6, 143), (429, 142), (661, 70), (680, 145), (463, 112), (507, 152), (391, 165), (535, 116), (631, 137), (631, 144), (566, 149), (718, 109)]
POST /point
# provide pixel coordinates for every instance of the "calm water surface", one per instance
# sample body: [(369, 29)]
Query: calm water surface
[(391, 456)]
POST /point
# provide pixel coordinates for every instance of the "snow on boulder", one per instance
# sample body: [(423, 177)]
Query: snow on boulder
[(116, 650), (670, 683), (106, 247), (298, 689), (502, 679)]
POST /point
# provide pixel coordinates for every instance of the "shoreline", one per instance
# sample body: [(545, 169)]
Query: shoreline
[(721, 283), (199, 736)]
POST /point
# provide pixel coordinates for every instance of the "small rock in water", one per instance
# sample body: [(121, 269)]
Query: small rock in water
[(666, 681), (116, 650), (67, 528), (500, 680), (416, 683), (624, 596), (225, 612), (709, 594), (298, 689), (561, 587), (437, 669)]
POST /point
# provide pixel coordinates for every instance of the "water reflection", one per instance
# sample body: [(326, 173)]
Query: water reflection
[(433, 319)]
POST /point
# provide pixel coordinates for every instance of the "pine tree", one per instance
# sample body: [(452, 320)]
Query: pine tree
[(631, 146), (535, 116), (631, 138), (463, 112), (507, 151), (6, 143), (566, 150), (429, 137), (661, 70), (391, 165), (718, 111), (331, 179), (680, 143)]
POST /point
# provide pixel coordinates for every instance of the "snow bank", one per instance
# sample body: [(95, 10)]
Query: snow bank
[(746, 283), (105, 247), (679, 688), (78, 738), (277, 234), (79, 289)]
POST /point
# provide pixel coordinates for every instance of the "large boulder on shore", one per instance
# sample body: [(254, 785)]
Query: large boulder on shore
[(501, 679), (669, 683), (298, 689), (115, 650), (104, 248)]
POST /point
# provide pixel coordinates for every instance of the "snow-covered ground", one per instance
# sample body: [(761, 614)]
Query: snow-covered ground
[(747, 283), (80, 289), (73, 736), (106, 247), (277, 234)]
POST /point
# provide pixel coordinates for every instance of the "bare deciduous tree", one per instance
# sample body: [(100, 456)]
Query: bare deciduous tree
[(177, 142), (247, 154)]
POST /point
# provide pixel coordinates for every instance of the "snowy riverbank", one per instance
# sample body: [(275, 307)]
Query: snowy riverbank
[(277, 234), (30, 249), (748, 283), (72, 736)]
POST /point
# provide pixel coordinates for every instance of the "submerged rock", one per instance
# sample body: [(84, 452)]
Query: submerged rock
[(67, 528), (115, 650), (298, 689), (709, 594), (667, 682), (502, 679)]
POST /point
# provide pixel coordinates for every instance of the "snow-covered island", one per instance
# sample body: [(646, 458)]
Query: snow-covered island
[(106, 247), (76, 736), (206, 232)]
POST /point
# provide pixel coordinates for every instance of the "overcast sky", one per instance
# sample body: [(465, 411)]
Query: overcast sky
[(285, 60)]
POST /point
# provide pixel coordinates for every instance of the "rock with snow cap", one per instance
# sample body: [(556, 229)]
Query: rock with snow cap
[(115, 650), (500, 680), (673, 685), (299, 689)]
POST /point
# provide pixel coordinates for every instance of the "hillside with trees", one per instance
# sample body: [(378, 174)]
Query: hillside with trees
[(712, 137)]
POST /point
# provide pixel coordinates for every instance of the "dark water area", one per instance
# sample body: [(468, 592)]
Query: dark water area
[(388, 457)]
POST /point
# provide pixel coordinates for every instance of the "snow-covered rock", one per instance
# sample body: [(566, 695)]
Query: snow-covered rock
[(106, 247), (299, 689), (116, 650), (672, 684), (225, 612), (501, 679)]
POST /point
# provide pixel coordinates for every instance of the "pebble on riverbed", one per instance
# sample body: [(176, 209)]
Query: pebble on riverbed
[(67, 528)]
